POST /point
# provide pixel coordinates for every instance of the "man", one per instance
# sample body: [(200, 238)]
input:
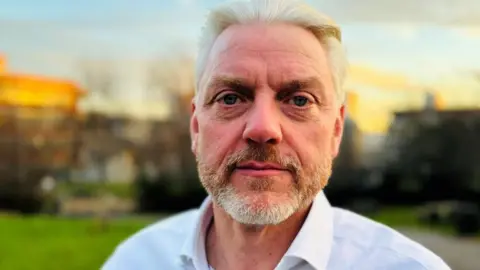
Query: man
[(266, 124)]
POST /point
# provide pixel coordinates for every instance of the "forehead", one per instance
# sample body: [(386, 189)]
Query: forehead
[(267, 54)]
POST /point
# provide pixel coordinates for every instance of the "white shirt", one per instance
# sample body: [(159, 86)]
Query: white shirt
[(330, 238)]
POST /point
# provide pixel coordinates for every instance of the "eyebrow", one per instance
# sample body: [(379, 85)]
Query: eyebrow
[(238, 83), (235, 84), (301, 84), (231, 82), (297, 85), (248, 90)]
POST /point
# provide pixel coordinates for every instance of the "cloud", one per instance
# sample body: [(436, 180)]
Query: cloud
[(445, 12), (403, 31), (467, 32), (368, 76), (143, 30), (120, 37), (187, 3)]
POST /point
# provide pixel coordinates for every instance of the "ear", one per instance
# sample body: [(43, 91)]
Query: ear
[(338, 131), (194, 127)]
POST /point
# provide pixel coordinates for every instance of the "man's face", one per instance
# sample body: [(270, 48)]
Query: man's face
[(266, 125)]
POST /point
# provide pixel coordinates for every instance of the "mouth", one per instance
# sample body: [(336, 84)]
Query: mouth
[(258, 169), (256, 165)]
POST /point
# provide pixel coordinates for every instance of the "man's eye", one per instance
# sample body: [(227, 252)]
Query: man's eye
[(229, 99), (299, 101)]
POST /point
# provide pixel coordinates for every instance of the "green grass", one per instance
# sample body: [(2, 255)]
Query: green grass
[(31, 243), (407, 217), (43, 242), (397, 216), (121, 190)]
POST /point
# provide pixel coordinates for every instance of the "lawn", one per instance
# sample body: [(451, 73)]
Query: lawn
[(407, 217), (41, 242)]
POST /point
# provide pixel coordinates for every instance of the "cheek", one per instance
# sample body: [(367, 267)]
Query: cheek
[(320, 143), (214, 141), (312, 143)]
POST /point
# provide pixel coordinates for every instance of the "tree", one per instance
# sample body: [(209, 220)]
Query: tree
[(97, 77), (172, 78), (476, 75), (436, 159)]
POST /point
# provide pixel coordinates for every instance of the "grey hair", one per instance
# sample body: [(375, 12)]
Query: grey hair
[(271, 11)]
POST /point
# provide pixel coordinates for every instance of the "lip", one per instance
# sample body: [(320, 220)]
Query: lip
[(259, 169), (256, 165)]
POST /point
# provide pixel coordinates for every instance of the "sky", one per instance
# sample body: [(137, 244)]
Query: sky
[(396, 49)]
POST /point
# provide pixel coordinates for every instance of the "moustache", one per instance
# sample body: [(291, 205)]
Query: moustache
[(262, 153)]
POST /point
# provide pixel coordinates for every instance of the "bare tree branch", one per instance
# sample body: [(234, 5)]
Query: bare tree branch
[(171, 78), (98, 78), (476, 75), (172, 74)]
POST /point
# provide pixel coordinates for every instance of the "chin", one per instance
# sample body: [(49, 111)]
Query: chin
[(263, 199), (257, 207)]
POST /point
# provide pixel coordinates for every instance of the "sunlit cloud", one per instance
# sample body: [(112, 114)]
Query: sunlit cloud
[(187, 3), (444, 12), (398, 49), (472, 32), (380, 79)]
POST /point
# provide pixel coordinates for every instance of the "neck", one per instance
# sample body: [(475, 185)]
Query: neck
[(231, 245)]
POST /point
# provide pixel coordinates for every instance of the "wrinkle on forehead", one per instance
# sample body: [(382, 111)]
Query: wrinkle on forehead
[(241, 50), (304, 39)]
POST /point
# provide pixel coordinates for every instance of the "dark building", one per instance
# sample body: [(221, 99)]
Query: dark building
[(434, 154)]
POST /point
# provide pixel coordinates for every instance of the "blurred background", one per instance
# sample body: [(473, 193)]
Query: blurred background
[(94, 109)]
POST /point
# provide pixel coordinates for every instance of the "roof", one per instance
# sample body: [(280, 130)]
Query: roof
[(2, 64), (130, 109), (41, 81), (450, 112)]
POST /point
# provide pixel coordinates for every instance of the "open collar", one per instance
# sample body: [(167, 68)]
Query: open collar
[(312, 244), (193, 249)]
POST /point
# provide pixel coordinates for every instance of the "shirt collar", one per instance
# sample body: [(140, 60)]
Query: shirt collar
[(312, 244), (193, 249)]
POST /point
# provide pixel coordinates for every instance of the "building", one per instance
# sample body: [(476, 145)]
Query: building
[(2, 64), (37, 121), (405, 124), (118, 142), (434, 153), (38, 135)]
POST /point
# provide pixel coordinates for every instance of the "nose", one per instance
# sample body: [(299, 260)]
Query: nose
[(263, 123)]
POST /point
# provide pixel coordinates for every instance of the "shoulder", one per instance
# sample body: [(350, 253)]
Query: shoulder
[(373, 245), (158, 244)]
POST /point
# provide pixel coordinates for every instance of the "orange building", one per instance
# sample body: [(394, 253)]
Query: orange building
[(2, 64), (439, 102), (351, 102), (38, 121), (36, 91)]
